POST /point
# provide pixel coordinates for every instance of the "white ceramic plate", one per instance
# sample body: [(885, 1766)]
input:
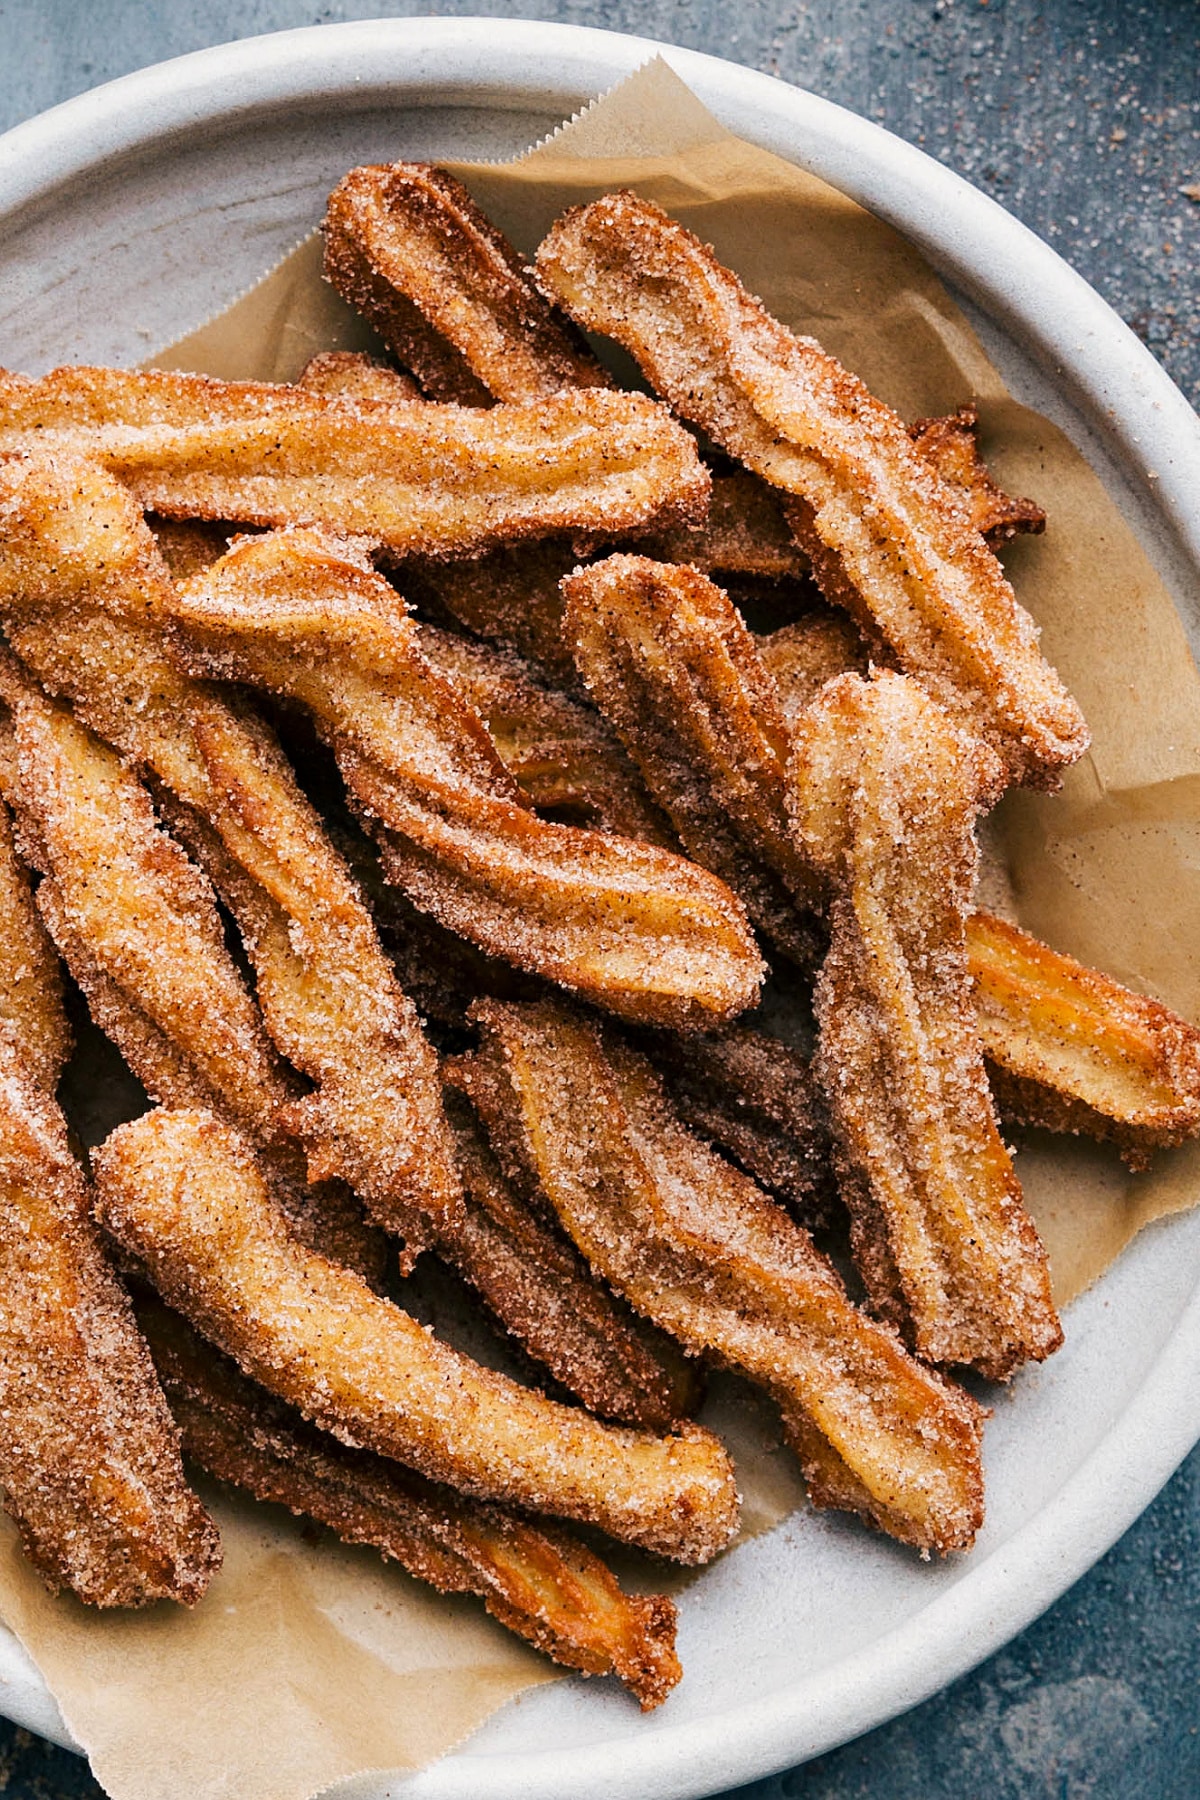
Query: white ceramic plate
[(130, 214)]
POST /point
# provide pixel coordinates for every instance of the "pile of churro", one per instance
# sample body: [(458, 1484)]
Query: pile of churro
[(419, 770)]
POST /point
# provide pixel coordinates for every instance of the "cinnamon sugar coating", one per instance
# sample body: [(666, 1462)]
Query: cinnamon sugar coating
[(564, 758), (1070, 1049), (539, 1582), (951, 446), (886, 537), (668, 661), (31, 991), (638, 930), (700, 1249), (182, 1193), (408, 248), (885, 791), (415, 478), (86, 603), (89, 1456)]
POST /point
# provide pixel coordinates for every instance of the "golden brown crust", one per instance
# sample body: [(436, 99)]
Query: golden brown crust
[(951, 446), (408, 248), (670, 664), (512, 596), (89, 1457), (886, 537), (415, 478), (885, 791), (86, 602), (541, 1584), (697, 1247), (632, 927), (1073, 1050), (183, 1194)]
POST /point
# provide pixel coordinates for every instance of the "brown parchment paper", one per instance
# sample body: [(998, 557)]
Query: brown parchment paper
[(308, 1663)]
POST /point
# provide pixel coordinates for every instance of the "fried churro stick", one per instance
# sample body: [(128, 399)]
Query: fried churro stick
[(89, 1457), (885, 791), (700, 1249), (532, 1278), (408, 248), (672, 668), (414, 478), (561, 755), (540, 1583), (886, 537), (138, 927), (182, 1193), (950, 444), (800, 658), (1073, 1050), (85, 601), (632, 927)]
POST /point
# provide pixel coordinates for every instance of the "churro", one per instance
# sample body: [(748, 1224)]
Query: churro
[(698, 1248), (1070, 1049), (672, 668), (886, 537), (884, 791), (951, 445), (408, 248), (532, 1278), (538, 1582), (89, 1457), (415, 478), (182, 1193)]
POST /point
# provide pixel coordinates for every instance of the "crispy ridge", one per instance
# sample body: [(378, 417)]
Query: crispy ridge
[(412, 477), (951, 445), (408, 248), (884, 792), (1071, 1049), (673, 669), (700, 1249), (85, 601), (632, 927), (540, 1583), (89, 1456), (183, 1193), (887, 538)]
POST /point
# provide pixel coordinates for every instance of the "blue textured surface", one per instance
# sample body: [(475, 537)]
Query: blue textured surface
[(1082, 117)]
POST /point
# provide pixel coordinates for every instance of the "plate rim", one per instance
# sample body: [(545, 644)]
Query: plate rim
[(1121, 391)]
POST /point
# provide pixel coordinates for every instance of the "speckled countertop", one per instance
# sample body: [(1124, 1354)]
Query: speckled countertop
[(1083, 118)]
